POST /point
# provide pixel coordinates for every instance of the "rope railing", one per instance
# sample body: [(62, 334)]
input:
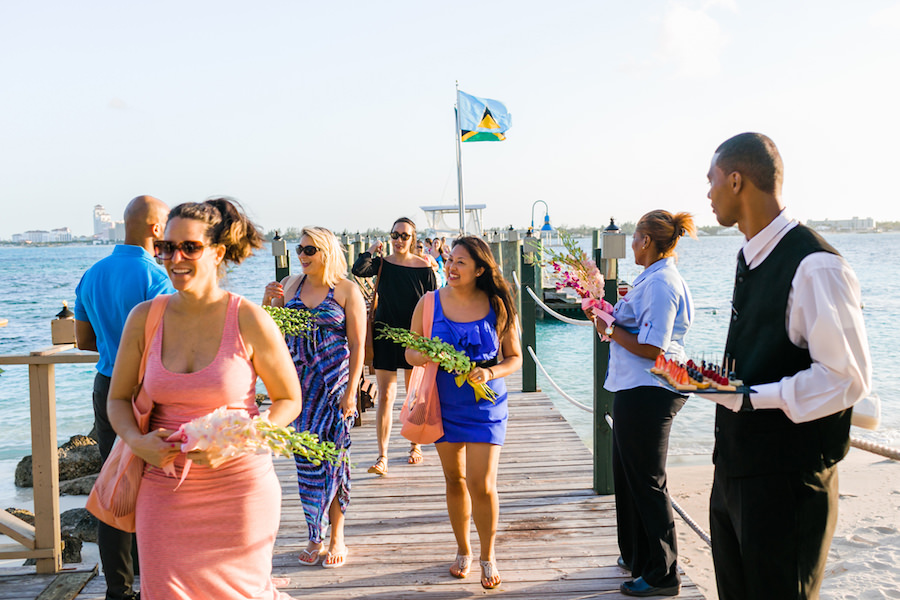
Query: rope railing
[(547, 309), (583, 407), (880, 449)]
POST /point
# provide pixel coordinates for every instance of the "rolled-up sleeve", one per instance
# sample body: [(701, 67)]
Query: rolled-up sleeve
[(659, 307)]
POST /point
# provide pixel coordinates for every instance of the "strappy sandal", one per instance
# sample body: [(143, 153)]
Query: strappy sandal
[(462, 564), (488, 573), (336, 560), (310, 558), (380, 467), (415, 455)]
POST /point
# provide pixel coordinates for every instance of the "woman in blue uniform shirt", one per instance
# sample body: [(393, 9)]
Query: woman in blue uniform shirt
[(650, 320)]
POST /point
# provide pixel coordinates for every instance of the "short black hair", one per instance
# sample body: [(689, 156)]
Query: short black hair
[(755, 157)]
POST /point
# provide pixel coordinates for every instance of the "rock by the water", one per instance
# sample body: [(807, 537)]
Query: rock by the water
[(78, 487), (25, 515), (78, 457), (80, 524)]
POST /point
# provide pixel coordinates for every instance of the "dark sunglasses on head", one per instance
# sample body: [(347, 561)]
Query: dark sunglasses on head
[(307, 250), (189, 250), (396, 235)]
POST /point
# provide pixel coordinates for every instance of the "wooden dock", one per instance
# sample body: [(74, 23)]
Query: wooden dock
[(556, 538)]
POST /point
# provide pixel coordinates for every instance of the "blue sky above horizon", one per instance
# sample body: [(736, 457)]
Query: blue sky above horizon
[(341, 116)]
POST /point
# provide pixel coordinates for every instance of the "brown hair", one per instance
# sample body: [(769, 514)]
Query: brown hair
[(226, 225), (664, 229), (409, 222), (491, 281)]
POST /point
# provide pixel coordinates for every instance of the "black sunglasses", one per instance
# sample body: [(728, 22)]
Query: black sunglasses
[(189, 250), (307, 250), (396, 235)]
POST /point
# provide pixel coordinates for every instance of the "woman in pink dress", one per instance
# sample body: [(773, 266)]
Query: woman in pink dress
[(213, 537)]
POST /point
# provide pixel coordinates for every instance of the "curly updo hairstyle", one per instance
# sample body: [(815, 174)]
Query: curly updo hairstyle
[(226, 225), (665, 229)]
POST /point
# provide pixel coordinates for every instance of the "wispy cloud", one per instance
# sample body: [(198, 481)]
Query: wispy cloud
[(887, 18), (691, 40), (118, 104)]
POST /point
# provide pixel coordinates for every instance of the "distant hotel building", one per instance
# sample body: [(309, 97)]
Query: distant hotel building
[(854, 224), (39, 236), (105, 229)]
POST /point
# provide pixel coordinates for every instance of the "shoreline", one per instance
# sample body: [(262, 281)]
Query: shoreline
[(864, 558)]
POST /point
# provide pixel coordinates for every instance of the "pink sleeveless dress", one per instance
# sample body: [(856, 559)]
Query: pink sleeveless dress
[(213, 538)]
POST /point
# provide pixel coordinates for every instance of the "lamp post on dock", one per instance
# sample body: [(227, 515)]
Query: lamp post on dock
[(282, 260), (609, 247)]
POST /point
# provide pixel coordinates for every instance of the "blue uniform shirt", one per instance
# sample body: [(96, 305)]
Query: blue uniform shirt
[(660, 310), (110, 289)]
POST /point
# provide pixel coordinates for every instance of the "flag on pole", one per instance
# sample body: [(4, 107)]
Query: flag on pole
[(482, 119)]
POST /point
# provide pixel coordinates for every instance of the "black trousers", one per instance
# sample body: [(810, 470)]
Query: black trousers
[(771, 533), (117, 547), (642, 419)]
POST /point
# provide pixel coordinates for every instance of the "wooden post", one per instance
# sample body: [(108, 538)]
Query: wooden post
[(528, 273), (603, 399), (45, 465), (511, 249)]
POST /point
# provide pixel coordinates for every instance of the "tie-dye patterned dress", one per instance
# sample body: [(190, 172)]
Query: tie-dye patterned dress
[(323, 365)]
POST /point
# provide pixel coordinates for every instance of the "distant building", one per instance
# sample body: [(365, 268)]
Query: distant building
[(117, 233), (18, 238), (37, 236), (102, 223), (853, 224), (62, 234)]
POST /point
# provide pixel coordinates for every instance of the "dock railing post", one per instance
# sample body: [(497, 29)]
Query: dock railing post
[(45, 465), (529, 266), (603, 399), (510, 253)]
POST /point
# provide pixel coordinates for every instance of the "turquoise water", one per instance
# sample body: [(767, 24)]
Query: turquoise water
[(35, 281)]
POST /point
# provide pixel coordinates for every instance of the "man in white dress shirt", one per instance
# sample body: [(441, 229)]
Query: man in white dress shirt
[(797, 338)]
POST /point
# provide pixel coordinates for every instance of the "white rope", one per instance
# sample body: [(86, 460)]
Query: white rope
[(556, 387), (555, 314), (608, 420), (886, 451)]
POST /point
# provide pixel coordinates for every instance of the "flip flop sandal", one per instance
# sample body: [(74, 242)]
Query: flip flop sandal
[(415, 455), (462, 564), (337, 559), (380, 467), (488, 572), (312, 557)]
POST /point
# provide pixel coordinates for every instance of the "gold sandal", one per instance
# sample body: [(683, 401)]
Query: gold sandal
[(488, 573), (380, 467), (462, 564), (415, 455)]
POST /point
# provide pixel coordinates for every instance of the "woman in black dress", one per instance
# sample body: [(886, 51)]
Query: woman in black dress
[(404, 278)]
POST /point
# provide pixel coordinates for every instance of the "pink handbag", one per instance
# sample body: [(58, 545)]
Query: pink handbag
[(421, 413), (113, 498)]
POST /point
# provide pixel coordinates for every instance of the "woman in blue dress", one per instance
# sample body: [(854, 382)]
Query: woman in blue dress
[(474, 312), (329, 363)]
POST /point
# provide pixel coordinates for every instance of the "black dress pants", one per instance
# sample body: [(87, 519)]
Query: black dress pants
[(771, 533), (642, 419), (116, 546)]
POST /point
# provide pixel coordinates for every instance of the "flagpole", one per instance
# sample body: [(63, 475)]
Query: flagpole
[(459, 181)]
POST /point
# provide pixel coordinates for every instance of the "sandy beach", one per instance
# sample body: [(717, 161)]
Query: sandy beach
[(864, 560)]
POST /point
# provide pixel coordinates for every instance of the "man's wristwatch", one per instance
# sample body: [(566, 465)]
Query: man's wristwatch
[(609, 330)]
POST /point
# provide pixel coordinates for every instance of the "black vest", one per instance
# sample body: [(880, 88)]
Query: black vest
[(766, 441)]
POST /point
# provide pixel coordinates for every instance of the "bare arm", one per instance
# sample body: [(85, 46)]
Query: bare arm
[(152, 446), (414, 357), (272, 362), (629, 341), (85, 338), (355, 311)]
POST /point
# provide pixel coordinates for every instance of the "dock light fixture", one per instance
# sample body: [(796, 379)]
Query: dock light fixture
[(62, 328), (612, 249)]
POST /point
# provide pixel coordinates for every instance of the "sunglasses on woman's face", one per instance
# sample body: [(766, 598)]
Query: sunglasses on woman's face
[(189, 250), (396, 235), (307, 250)]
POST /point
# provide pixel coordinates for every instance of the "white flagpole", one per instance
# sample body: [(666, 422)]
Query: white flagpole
[(459, 181)]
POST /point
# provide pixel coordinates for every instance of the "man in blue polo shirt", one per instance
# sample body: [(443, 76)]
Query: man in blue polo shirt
[(104, 297)]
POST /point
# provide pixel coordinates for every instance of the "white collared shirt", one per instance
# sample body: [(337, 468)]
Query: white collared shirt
[(824, 315)]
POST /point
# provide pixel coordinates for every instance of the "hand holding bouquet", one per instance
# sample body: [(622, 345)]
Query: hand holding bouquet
[(446, 356), (580, 273), (226, 433), (292, 321)]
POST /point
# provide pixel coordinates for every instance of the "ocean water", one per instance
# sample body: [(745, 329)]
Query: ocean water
[(35, 281)]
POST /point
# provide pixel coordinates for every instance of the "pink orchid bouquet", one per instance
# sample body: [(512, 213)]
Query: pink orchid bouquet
[(579, 272), (227, 432)]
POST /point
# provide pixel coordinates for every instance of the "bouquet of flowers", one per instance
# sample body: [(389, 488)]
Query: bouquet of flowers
[(292, 321), (580, 273), (446, 356), (227, 432)]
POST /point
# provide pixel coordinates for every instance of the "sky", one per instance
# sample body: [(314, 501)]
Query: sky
[(340, 114)]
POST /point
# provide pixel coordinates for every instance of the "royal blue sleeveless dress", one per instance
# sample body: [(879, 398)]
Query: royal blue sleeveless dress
[(465, 420), (323, 366)]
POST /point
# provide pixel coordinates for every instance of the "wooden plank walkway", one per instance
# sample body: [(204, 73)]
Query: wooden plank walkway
[(556, 538)]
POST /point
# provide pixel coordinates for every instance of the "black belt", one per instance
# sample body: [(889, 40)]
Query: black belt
[(485, 364)]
